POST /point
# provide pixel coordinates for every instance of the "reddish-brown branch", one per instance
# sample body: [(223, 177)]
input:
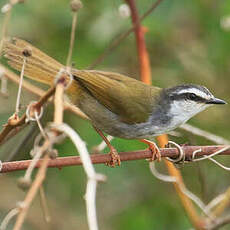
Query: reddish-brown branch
[(145, 69), (104, 158)]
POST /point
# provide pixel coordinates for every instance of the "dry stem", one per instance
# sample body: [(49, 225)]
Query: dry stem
[(72, 38), (44, 204), (223, 204), (14, 122), (26, 85), (58, 104), (207, 135), (219, 223), (58, 117), (33, 189)]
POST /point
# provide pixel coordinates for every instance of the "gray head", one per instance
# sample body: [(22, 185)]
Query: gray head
[(187, 100)]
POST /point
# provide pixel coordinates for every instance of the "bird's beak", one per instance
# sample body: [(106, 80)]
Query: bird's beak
[(216, 101)]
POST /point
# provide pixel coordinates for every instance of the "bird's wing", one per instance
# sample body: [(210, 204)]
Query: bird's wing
[(130, 99)]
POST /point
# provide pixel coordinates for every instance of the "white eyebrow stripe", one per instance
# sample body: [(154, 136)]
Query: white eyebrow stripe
[(195, 91)]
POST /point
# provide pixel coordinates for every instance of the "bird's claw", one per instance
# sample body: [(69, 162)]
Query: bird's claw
[(115, 158), (156, 154)]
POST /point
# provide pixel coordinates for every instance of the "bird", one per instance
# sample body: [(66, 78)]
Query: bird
[(118, 105)]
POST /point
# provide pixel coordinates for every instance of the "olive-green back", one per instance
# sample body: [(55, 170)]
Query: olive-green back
[(132, 100)]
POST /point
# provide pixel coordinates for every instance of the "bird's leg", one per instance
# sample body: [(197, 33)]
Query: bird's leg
[(113, 152), (156, 154)]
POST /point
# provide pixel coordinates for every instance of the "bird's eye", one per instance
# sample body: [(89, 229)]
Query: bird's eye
[(192, 96)]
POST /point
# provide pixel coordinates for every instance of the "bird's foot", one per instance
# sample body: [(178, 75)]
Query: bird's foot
[(156, 154), (115, 158)]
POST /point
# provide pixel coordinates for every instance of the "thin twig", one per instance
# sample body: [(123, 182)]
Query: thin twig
[(44, 204), (223, 204), (14, 122), (219, 222), (26, 85), (72, 38), (183, 189), (75, 6), (104, 158), (207, 157), (219, 164), (207, 135), (8, 217), (213, 203), (20, 87)]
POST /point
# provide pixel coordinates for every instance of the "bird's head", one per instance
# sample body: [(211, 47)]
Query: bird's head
[(187, 100)]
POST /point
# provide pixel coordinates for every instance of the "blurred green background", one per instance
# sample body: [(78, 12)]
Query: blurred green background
[(188, 42)]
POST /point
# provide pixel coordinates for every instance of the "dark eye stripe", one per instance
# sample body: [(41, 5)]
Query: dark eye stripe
[(187, 96), (192, 97)]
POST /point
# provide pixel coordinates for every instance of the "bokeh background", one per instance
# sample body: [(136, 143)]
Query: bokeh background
[(188, 42)]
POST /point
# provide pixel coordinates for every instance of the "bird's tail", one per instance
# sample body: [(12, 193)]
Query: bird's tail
[(39, 66)]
